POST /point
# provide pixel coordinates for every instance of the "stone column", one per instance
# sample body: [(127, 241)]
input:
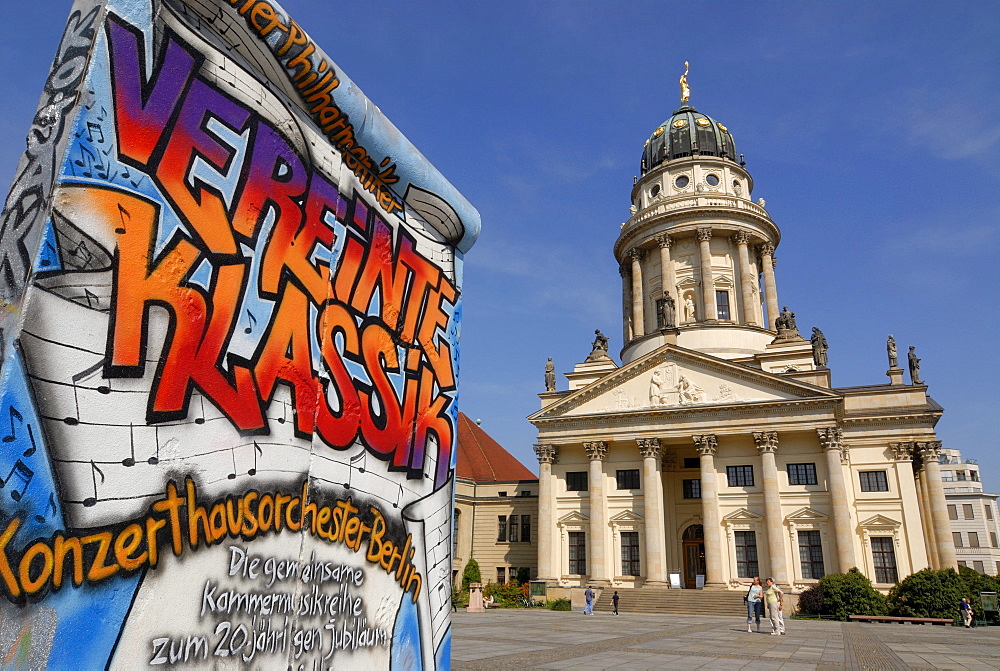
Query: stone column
[(626, 303), (668, 279), (652, 497), (707, 445), (638, 324), (930, 452), (767, 445), (547, 455), (709, 311), (599, 573), (832, 440), (902, 455), (770, 290), (925, 515), (747, 278)]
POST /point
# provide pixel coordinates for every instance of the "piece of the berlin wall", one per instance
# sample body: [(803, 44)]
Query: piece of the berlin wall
[(232, 293)]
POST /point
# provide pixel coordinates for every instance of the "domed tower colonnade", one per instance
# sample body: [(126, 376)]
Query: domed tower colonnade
[(719, 449)]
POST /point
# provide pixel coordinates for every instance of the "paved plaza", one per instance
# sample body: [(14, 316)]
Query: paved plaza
[(543, 639)]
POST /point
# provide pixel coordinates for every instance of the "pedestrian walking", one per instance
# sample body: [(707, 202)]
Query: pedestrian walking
[(775, 599), (589, 608), (966, 609), (614, 603), (754, 600)]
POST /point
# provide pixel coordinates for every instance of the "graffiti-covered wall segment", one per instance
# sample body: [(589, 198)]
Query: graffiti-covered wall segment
[(230, 341)]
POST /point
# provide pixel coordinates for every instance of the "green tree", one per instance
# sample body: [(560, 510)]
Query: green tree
[(471, 574), (928, 593), (523, 575), (850, 593), (975, 582)]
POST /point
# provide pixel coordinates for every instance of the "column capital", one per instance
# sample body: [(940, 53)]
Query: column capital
[(648, 447), (767, 441), (765, 249), (706, 444), (597, 450), (901, 451), (704, 233), (741, 237), (547, 454), (664, 240), (832, 438), (636, 254), (928, 451)]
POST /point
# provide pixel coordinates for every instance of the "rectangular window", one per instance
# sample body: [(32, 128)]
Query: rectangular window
[(512, 573), (692, 489), (512, 529), (501, 493), (692, 462), (630, 553), (974, 476), (967, 509), (956, 537), (525, 528), (961, 475), (628, 479), (801, 474), (978, 566), (962, 562), (811, 554), (746, 554), (973, 539), (989, 510), (576, 481), (993, 539), (740, 476), (502, 529), (884, 558), (874, 481), (577, 553), (501, 574), (952, 511), (722, 304)]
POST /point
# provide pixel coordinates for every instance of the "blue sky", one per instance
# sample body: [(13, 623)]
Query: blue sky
[(871, 129)]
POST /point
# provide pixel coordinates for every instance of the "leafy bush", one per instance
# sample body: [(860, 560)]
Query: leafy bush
[(928, 593), (850, 593), (975, 582), (811, 601), (505, 595), (523, 574), (559, 604), (471, 574)]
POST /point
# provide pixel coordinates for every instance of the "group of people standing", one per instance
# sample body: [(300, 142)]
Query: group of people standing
[(769, 595)]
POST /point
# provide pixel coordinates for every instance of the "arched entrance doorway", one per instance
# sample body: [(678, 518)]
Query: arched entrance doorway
[(694, 555)]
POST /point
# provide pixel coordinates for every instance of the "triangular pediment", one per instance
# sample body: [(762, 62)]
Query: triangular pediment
[(626, 516), (742, 515), (807, 515), (880, 521), (573, 517), (674, 378)]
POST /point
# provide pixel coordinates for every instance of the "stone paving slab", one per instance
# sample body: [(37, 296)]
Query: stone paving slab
[(543, 639)]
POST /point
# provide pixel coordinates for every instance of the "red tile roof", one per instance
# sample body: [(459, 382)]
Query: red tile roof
[(482, 459)]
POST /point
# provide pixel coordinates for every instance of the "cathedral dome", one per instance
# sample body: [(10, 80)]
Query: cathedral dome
[(687, 132)]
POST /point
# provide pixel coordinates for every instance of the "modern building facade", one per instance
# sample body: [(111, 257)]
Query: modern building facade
[(496, 508), (718, 448), (975, 526)]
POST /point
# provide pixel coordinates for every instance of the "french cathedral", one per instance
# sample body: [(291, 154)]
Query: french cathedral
[(718, 450)]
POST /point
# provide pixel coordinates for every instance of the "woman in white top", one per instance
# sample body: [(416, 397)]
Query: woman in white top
[(755, 603)]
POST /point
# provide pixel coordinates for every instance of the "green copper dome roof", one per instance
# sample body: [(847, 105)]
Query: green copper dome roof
[(687, 132)]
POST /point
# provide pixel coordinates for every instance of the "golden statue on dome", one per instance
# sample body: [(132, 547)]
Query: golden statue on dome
[(685, 89)]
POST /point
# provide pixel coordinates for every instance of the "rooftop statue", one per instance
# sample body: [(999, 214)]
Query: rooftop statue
[(820, 347), (685, 89), (550, 376), (890, 347), (600, 347), (914, 366)]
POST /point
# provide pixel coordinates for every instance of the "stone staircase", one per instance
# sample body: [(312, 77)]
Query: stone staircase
[(663, 600)]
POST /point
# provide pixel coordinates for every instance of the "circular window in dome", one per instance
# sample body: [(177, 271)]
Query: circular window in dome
[(680, 123), (722, 127), (703, 122), (681, 182), (712, 180), (655, 191), (659, 132)]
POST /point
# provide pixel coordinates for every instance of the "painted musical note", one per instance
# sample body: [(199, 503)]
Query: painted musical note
[(82, 375), (253, 322), (256, 451), (201, 420), (361, 456), (85, 161), (154, 460), (48, 262), (14, 413), (91, 127), (94, 471), (130, 461), (23, 474), (52, 504), (126, 217), (232, 453), (83, 252)]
